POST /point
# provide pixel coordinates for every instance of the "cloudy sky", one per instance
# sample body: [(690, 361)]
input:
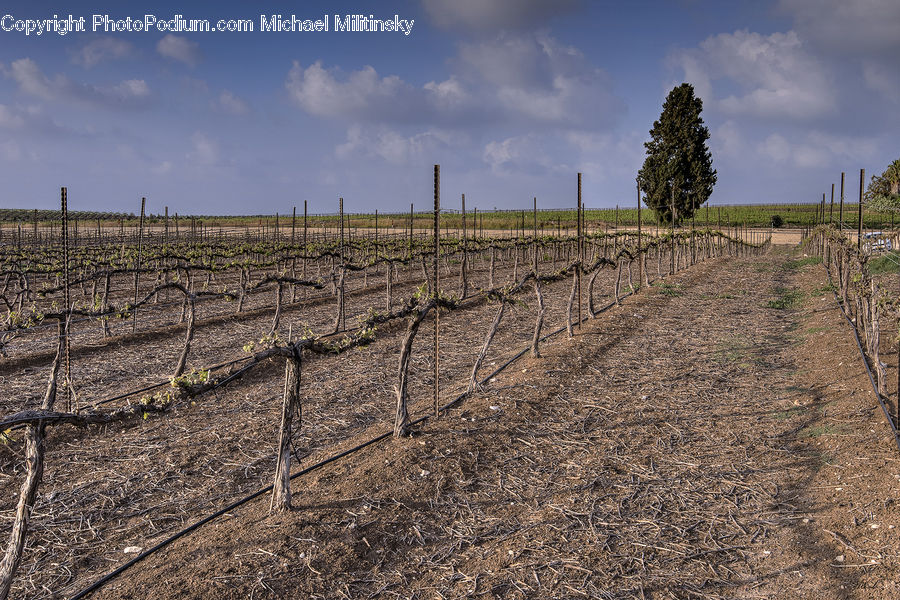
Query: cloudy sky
[(511, 97)]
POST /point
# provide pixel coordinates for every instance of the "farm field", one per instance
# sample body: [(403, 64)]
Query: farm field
[(727, 465), (673, 447)]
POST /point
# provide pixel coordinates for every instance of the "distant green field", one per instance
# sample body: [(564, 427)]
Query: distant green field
[(548, 221)]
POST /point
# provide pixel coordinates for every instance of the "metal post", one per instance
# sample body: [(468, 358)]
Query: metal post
[(862, 184), (436, 277), (578, 250), (534, 212), (65, 231)]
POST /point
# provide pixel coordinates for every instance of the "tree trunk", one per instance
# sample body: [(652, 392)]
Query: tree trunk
[(401, 416), (539, 322), (473, 379), (281, 489), (189, 335)]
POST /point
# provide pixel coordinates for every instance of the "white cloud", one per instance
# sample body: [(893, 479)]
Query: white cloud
[(101, 50), (536, 78), (609, 157), (130, 93), (392, 146), (861, 27), (817, 149), (228, 103), (10, 118), (361, 94), (180, 49), (32, 80), (447, 95), (880, 78), (727, 139), (490, 15), (162, 168), (515, 154), (775, 74), (205, 151), (131, 88), (527, 80)]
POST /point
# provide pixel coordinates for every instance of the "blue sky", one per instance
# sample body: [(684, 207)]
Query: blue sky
[(511, 97)]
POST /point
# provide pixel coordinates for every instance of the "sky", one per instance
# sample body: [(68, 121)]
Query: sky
[(511, 97)]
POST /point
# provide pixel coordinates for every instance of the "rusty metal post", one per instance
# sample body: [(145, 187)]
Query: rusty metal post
[(578, 226), (436, 279)]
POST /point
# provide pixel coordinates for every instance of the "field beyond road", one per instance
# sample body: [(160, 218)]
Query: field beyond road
[(700, 441)]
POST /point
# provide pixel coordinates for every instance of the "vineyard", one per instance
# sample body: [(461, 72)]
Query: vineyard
[(166, 331), (157, 380)]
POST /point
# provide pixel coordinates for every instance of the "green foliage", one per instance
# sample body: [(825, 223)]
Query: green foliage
[(191, 378), (787, 298), (883, 193), (886, 263), (799, 263), (668, 289), (6, 436), (677, 172), (777, 221)]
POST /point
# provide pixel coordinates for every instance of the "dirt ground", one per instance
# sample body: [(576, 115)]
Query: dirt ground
[(714, 437), (706, 439)]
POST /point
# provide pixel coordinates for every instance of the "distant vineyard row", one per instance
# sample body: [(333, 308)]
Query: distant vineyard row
[(756, 215)]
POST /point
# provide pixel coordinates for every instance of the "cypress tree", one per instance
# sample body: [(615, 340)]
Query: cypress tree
[(678, 158)]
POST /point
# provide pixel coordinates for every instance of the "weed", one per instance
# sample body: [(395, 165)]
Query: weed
[(787, 298), (783, 415), (818, 431), (886, 263), (668, 289)]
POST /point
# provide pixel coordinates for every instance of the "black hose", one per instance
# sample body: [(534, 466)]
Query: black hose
[(884, 408), (119, 570)]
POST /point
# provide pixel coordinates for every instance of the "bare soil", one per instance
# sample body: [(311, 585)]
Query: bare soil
[(694, 442)]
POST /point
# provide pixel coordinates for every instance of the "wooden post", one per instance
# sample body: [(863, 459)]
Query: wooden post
[(293, 224), (464, 291), (831, 209), (535, 237), (137, 272), (281, 488), (862, 184), (672, 265), (841, 210), (579, 251), (436, 279), (640, 253)]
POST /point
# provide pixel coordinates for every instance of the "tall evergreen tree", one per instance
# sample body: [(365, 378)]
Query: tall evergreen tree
[(678, 158)]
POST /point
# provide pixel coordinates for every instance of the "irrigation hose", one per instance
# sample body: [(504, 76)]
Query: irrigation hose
[(159, 546), (884, 408), (119, 570)]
